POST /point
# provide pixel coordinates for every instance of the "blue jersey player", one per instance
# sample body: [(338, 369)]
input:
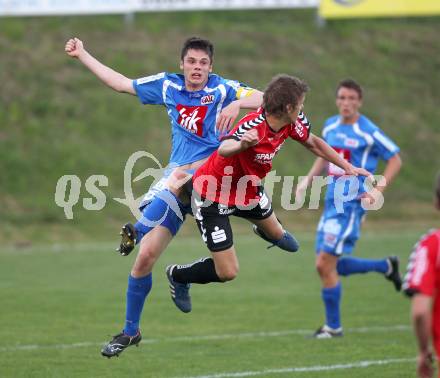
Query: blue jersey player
[(201, 106), (363, 144)]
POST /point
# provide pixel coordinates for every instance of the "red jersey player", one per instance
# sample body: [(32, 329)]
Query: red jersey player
[(229, 183), (422, 283)]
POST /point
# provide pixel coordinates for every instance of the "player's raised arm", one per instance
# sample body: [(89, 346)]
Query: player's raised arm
[(75, 49), (320, 148), (392, 168), (232, 145)]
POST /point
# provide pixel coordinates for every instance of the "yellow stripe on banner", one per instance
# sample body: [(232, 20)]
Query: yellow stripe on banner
[(378, 8)]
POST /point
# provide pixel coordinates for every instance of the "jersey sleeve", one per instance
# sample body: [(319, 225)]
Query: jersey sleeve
[(236, 90), (420, 276), (302, 128), (329, 124), (149, 89), (383, 145)]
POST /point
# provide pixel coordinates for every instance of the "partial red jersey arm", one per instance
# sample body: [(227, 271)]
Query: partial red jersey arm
[(420, 277), (422, 319), (420, 284)]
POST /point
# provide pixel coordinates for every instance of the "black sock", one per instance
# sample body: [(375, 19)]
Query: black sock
[(201, 271)]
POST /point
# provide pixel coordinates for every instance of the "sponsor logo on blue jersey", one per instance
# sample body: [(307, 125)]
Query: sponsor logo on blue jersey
[(207, 99), (191, 118)]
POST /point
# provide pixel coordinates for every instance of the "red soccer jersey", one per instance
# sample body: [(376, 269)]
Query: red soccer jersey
[(234, 180), (423, 276)]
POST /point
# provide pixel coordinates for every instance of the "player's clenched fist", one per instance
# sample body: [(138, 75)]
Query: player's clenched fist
[(249, 139), (74, 47)]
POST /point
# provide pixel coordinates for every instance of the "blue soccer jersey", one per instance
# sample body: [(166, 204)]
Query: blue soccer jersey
[(362, 144), (192, 115)]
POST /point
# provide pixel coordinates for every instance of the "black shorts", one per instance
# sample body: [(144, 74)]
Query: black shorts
[(213, 219)]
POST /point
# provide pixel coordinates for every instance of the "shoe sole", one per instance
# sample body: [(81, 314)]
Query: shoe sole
[(127, 233)]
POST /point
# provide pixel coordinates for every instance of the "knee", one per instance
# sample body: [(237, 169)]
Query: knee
[(228, 273), (145, 261), (176, 181), (322, 267)]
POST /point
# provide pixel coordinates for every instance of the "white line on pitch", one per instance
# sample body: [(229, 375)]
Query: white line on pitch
[(305, 369), (378, 329)]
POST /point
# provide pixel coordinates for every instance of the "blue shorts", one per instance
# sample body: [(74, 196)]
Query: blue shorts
[(160, 186), (160, 207), (337, 233), (156, 188)]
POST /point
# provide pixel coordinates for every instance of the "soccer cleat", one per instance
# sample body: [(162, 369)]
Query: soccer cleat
[(287, 242), (128, 241), (394, 275), (179, 292), (119, 343), (325, 332), (261, 234)]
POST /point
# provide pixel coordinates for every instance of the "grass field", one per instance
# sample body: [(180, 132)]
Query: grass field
[(59, 304)]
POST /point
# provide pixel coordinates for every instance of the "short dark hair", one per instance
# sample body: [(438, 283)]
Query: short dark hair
[(350, 84), (197, 43), (283, 90)]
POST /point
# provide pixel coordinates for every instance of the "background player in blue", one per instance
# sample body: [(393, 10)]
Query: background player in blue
[(362, 143), (196, 102)]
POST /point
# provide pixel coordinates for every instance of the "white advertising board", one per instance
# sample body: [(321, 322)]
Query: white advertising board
[(69, 7)]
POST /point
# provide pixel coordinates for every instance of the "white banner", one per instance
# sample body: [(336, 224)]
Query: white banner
[(182, 5), (65, 7), (69, 7)]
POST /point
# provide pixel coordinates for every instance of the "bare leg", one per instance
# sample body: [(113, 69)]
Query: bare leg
[(151, 247), (226, 264), (270, 226)]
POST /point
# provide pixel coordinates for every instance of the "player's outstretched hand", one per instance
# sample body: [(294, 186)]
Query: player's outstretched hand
[(227, 117), (74, 47), (249, 139), (355, 171)]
